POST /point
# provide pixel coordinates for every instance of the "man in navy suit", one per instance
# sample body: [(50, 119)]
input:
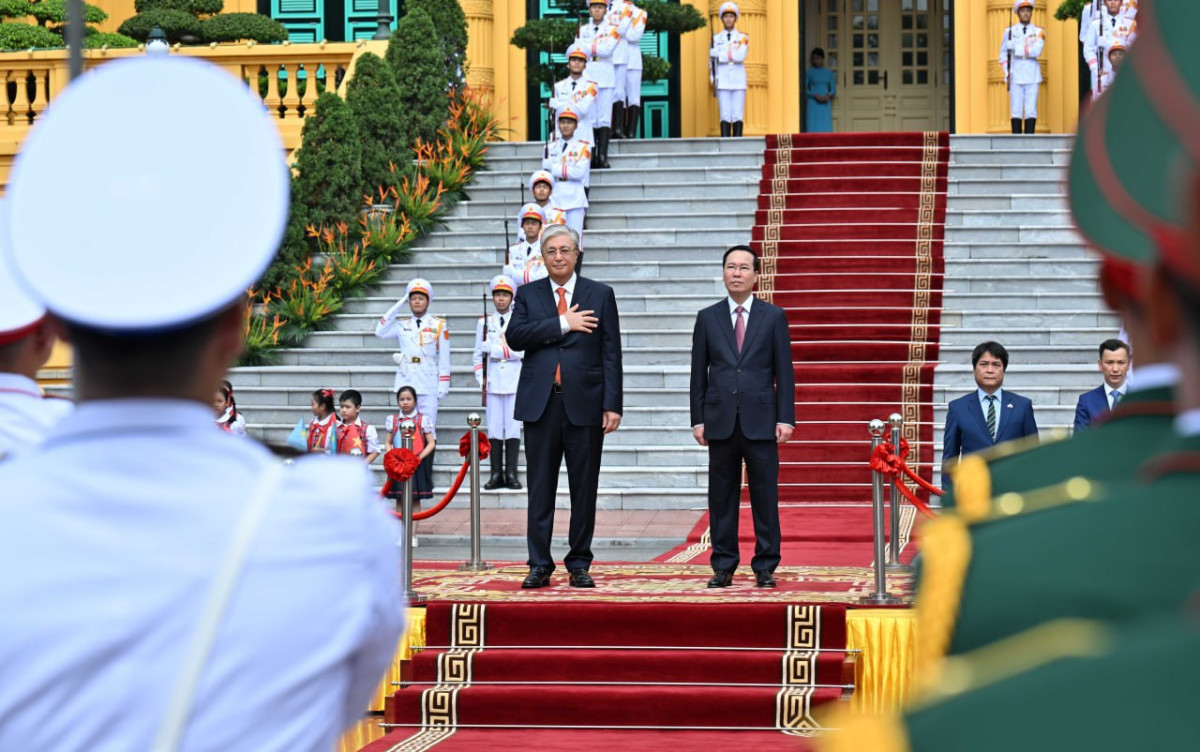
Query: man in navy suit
[(1114, 364), (988, 416), (569, 396), (743, 406)]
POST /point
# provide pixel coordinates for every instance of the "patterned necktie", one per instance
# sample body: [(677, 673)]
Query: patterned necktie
[(739, 327), (991, 415), (1116, 397), (562, 308)]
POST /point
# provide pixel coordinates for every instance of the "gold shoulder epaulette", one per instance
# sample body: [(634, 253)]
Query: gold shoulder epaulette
[(1020, 446), (1071, 491)]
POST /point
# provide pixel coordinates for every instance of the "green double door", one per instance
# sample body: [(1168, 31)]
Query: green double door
[(332, 20)]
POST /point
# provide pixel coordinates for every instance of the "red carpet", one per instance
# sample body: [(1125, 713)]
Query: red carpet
[(577, 740), (850, 228), (729, 667)]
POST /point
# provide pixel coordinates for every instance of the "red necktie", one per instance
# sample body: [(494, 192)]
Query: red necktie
[(739, 328), (562, 308)]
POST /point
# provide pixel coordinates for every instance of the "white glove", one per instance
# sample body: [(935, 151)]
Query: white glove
[(398, 358), (712, 52), (443, 390), (479, 378), (391, 314)]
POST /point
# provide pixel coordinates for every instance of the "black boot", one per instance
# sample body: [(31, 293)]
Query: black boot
[(602, 136), (512, 450), (1031, 125), (726, 129), (618, 120), (1016, 126), (497, 458), (737, 129), (633, 118)]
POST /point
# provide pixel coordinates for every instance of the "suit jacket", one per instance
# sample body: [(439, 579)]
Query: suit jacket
[(1091, 407), (966, 424), (591, 363), (758, 386)]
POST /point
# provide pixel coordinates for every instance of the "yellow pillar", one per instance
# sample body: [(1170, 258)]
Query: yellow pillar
[(981, 98), (494, 64), (481, 72)]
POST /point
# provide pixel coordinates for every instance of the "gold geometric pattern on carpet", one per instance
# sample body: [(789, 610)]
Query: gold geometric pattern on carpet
[(804, 628), (423, 740), (793, 711)]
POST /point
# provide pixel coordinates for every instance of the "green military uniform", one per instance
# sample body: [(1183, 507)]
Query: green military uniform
[(1070, 685)]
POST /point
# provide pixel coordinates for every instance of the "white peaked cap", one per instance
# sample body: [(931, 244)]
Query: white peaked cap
[(419, 284), (503, 283), (19, 310), (540, 176), (186, 204)]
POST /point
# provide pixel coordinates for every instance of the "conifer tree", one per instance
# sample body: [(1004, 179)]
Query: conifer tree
[(451, 24), (421, 75), (374, 98)]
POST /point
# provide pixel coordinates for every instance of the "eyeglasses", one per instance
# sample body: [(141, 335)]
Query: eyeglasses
[(564, 252)]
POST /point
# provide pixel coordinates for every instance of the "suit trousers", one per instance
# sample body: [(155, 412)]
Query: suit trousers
[(547, 440), (725, 458)]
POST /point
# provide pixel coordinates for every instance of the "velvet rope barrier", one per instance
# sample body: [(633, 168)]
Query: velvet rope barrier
[(884, 460), (401, 464)]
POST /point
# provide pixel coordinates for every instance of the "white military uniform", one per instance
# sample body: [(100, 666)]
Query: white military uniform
[(620, 14), (503, 371), (580, 95), (1129, 9), (1026, 42), (633, 68), (570, 162), (131, 514), (26, 415), (525, 263), (423, 360), (1105, 31), (599, 40), (729, 49)]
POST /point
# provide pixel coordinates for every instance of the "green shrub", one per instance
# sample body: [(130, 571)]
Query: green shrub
[(55, 12), (329, 163), (176, 24), (195, 7), (374, 98), (451, 25), (1070, 9), (420, 74), (14, 8), (21, 36), (238, 27), (98, 39), (654, 68), (673, 18)]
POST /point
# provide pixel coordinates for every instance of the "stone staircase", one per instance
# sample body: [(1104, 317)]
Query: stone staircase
[(1018, 273), (659, 221)]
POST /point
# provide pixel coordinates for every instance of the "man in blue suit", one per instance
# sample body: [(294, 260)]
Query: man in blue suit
[(1114, 364), (569, 396), (989, 415), (743, 395)]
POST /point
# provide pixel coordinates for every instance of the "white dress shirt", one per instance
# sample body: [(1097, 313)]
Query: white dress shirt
[(25, 415), (112, 533), (569, 286), (733, 304), (1108, 393)]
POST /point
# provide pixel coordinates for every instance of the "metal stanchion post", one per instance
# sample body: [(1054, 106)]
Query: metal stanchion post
[(476, 564), (880, 596), (896, 423), (407, 427)]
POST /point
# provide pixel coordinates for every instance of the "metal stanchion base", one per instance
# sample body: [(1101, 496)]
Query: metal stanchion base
[(880, 599), (413, 596), (896, 566), (474, 566)]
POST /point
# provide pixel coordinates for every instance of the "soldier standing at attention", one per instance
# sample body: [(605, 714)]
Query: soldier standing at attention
[(1110, 29), (541, 189), (729, 49), (224, 584), (1020, 48), (577, 92), (424, 358), (525, 258), (599, 39), (633, 72), (569, 160), (619, 16), (503, 371)]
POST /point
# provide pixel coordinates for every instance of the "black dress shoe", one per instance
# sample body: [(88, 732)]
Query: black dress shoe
[(721, 578), (513, 483), (538, 577), (763, 578), (495, 482), (581, 578)]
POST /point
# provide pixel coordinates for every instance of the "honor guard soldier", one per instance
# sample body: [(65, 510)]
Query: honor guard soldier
[(525, 263), (1020, 48), (541, 189), (502, 371), (577, 92), (599, 39), (728, 52), (1110, 28), (26, 340), (569, 160), (424, 358), (633, 73), (619, 16), (221, 585)]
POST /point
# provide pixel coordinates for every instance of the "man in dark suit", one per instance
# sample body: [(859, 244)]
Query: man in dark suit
[(743, 405), (1114, 364), (569, 396), (989, 415)]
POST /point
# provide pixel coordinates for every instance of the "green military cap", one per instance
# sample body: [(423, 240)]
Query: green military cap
[(1138, 148), (1072, 684)]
